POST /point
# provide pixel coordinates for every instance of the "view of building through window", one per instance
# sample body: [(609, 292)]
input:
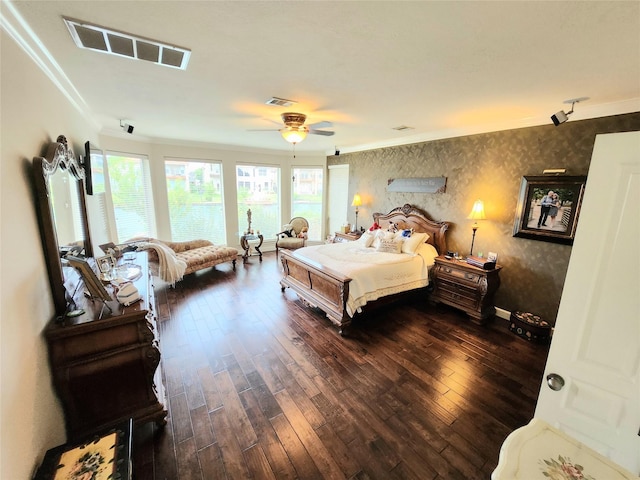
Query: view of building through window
[(131, 196), (306, 198), (196, 201), (196, 207), (259, 190)]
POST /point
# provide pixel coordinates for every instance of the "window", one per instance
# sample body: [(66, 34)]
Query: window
[(131, 196), (194, 193), (259, 191), (306, 198)]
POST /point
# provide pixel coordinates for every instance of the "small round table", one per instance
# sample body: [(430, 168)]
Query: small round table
[(244, 243)]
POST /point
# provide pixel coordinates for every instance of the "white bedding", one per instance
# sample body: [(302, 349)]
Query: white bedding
[(374, 274)]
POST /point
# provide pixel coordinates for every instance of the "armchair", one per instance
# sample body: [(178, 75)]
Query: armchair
[(293, 235)]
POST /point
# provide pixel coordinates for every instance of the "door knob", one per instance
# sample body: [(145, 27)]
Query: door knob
[(555, 381)]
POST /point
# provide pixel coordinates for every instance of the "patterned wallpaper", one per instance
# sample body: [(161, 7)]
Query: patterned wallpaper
[(489, 167)]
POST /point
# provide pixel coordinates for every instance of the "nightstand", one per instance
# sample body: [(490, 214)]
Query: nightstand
[(346, 237), (463, 286)]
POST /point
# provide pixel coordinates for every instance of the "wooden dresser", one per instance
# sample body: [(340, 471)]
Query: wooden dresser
[(106, 368), (466, 287)]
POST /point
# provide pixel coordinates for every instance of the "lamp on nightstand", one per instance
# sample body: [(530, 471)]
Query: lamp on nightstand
[(357, 202), (477, 213)]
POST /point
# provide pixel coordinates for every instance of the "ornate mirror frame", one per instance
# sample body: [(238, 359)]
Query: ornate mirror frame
[(59, 157)]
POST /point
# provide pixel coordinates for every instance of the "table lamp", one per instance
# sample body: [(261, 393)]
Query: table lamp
[(357, 202), (477, 213)]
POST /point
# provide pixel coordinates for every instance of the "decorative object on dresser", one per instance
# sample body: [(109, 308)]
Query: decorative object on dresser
[(480, 262), (548, 208), (466, 287)]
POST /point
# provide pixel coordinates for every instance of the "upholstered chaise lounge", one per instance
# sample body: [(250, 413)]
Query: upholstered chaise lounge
[(197, 254), (201, 254)]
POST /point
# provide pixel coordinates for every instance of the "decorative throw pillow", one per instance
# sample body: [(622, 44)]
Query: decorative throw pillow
[(390, 246), (410, 244), (382, 235), (366, 239)]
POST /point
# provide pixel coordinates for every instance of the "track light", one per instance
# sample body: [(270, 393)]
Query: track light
[(561, 116), (127, 127)]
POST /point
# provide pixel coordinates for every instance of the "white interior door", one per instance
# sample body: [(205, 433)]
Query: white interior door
[(338, 196), (596, 343)]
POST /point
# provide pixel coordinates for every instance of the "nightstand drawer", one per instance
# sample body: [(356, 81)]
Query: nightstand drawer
[(457, 298), (457, 288), (457, 273)]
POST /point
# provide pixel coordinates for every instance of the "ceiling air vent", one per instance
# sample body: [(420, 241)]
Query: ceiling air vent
[(101, 39), (280, 102)]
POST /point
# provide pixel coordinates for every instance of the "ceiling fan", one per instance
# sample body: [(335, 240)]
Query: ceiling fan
[(295, 131)]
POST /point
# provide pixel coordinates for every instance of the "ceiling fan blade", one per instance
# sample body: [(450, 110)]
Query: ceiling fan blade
[(326, 133), (263, 130), (323, 124)]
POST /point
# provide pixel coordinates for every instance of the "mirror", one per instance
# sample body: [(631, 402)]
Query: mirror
[(62, 211)]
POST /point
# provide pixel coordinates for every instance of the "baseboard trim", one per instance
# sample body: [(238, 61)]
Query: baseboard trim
[(504, 314)]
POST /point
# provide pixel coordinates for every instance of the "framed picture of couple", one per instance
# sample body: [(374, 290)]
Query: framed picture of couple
[(548, 208)]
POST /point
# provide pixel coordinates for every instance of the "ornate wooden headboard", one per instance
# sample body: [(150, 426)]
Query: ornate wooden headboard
[(409, 216)]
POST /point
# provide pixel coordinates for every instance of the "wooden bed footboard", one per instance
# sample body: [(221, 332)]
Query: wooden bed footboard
[(317, 286)]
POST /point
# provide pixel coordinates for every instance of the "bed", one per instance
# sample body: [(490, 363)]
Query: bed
[(340, 278)]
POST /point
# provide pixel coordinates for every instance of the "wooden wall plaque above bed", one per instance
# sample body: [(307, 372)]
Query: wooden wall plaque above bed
[(328, 288)]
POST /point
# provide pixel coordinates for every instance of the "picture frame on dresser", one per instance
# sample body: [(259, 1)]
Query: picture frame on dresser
[(548, 208), (91, 281)]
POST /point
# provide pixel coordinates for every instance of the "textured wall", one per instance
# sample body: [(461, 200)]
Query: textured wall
[(488, 167)]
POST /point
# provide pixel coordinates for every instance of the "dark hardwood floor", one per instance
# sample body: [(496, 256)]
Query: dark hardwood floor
[(261, 386)]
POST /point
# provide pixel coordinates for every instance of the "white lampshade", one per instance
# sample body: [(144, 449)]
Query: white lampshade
[(357, 201), (477, 212), (293, 134)]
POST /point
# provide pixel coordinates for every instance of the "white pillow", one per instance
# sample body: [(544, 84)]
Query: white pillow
[(390, 246), (366, 239), (428, 252), (382, 235), (410, 244)]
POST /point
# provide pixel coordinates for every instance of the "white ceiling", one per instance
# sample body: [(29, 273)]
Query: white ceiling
[(443, 68)]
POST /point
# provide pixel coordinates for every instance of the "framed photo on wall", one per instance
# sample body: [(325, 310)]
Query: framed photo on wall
[(548, 208)]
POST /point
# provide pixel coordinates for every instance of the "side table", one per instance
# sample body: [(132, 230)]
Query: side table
[(106, 456), (346, 237), (539, 450), (244, 243), (466, 287)]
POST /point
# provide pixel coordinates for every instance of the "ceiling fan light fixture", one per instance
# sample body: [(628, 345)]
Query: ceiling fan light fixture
[(294, 134)]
